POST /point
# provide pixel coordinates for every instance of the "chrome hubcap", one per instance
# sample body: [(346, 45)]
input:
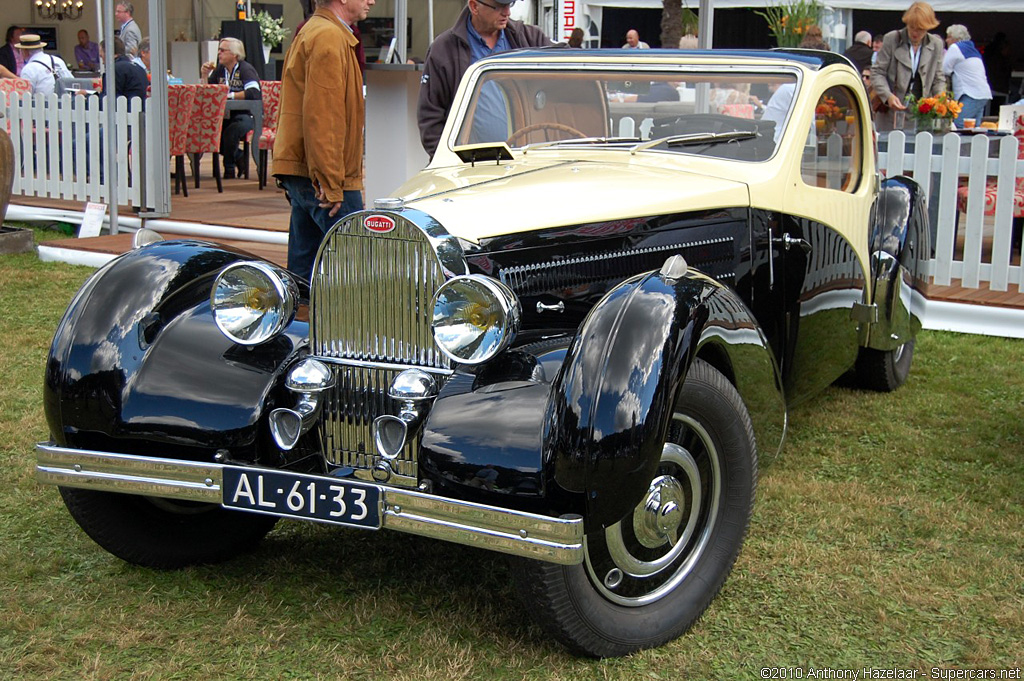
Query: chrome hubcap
[(899, 353), (646, 555)]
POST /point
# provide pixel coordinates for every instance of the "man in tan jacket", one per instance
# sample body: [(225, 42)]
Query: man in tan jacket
[(318, 153)]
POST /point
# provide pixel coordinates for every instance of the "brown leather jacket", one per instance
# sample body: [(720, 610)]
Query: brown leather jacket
[(322, 114)]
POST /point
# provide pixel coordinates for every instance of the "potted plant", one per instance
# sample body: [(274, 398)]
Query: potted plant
[(789, 22), (272, 32)]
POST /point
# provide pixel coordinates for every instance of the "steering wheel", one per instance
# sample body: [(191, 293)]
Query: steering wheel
[(534, 127)]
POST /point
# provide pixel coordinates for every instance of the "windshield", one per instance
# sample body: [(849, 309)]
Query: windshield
[(723, 114)]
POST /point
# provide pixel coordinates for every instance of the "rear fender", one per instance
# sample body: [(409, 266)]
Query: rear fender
[(900, 251)]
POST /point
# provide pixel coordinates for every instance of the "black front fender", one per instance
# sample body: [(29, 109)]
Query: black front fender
[(611, 405), (137, 364), (577, 425)]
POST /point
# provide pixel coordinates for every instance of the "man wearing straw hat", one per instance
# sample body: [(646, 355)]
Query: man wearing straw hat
[(40, 69)]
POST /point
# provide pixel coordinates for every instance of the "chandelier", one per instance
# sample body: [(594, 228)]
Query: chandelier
[(59, 9)]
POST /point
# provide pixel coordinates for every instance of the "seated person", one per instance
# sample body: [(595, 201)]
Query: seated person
[(129, 80), (142, 57), (723, 95), (243, 83), (87, 53), (40, 69), (661, 91), (778, 106)]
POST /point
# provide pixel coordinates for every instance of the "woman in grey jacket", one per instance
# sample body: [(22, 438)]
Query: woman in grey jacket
[(910, 62)]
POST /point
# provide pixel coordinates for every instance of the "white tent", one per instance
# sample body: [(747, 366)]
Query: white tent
[(885, 5)]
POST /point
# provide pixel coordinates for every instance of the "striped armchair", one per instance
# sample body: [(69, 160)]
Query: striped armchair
[(990, 190), (271, 90), (180, 101), (9, 86), (205, 127)]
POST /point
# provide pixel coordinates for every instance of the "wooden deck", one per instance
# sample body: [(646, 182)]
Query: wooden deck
[(243, 205)]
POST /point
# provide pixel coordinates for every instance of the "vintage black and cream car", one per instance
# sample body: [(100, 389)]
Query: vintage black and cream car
[(567, 339)]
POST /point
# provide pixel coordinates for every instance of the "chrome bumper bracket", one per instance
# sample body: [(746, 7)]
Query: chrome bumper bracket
[(553, 540)]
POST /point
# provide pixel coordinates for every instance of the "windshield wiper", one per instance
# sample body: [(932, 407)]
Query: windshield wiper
[(581, 140), (696, 138)]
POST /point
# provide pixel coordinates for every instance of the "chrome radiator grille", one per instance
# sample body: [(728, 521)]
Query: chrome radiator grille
[(371, 297), (370, 307), (359, 397)]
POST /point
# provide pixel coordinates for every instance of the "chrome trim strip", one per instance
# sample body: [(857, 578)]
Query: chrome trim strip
[(538, 277), (156, 477), (553, 540), (382, 365)]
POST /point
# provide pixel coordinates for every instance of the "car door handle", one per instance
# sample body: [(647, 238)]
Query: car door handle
[(788, 242), (557, 307)]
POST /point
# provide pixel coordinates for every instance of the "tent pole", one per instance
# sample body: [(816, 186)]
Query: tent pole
[(110, 104), (401, 19), (430, 21), (156, 144), (705, 24)]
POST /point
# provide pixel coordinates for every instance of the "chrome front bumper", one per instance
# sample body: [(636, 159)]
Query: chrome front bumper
[(554, 540)]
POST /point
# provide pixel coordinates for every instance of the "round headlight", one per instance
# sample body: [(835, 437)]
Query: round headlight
[(475, 318), (252, 301)]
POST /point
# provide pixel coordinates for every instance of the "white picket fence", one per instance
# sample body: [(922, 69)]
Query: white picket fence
[(941, 167), (56, 157), (59, 148)]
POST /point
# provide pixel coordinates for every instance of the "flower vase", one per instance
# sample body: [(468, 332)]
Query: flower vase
[(266, 53), (936, 126), (824, 127)]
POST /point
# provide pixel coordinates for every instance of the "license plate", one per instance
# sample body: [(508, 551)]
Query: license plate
[(309, 497)]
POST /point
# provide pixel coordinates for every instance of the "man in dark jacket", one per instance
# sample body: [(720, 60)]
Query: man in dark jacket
[(129, 80), (860, 52), (10, 58), (482, 29)]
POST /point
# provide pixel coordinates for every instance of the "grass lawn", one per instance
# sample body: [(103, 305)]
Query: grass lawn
[(888, 533)]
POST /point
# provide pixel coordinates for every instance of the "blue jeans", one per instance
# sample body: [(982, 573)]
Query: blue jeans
[(973, 108), (310, 223)]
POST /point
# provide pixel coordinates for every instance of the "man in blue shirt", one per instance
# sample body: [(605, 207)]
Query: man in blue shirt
[(483, 28), (87, 53)]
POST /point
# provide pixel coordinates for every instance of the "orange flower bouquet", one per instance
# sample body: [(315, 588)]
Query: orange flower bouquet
[(934, 113), (827, 114)]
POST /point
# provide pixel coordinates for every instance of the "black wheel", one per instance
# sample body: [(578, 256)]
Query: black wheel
[(164, 533), (647, 578), (884, 370)]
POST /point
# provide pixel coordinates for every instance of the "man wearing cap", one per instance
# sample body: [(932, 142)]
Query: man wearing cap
[(482, 29), (40, 68)]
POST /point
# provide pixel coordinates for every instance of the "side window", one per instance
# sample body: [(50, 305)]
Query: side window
[(832, 156)]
